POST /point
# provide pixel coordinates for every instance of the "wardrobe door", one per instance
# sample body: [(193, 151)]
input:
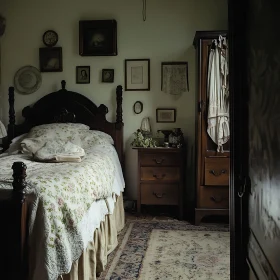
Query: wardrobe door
[(212, 166)]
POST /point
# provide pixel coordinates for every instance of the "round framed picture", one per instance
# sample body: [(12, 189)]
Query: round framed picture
[(138, 107)]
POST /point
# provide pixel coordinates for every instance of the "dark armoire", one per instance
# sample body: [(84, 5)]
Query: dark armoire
[(212, 167)]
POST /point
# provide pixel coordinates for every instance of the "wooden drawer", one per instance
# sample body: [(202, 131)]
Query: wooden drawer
[(217, 171), (164, 194), (160, 173), (213, 197), (160, 159)]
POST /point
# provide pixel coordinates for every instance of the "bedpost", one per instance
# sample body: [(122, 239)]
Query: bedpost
[(119, 125), (20, 217), (12, 118), (119, 92), (19, 183)]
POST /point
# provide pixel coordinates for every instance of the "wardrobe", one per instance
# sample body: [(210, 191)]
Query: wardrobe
[(212, 164)]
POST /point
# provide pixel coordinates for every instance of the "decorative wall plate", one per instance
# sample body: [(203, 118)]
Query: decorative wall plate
[(27, 80)]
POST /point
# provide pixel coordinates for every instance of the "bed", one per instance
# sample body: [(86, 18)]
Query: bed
[(55, 225)]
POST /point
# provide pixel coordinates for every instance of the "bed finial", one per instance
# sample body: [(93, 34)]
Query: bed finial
[(12, 118), (63, 84), (119, 104), (19, 175)]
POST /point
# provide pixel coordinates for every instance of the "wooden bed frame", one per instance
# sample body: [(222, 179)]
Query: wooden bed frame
[(60, 106)]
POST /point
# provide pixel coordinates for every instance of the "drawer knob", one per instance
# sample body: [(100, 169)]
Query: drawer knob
[(159, 195), (159, 178), (158, 161), (217, 200), (223, 171)]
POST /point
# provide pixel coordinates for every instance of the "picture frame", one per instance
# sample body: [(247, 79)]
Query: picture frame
[(138, 107), (137, 74), (98, 38), (166, 115), (82, 74), (50, 59), (174, 77), (107, 75)]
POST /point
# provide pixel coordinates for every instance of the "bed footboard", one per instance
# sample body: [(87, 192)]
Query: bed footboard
[(13, 232)]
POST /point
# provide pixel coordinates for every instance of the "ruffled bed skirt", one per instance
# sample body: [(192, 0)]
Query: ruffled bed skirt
[(94, 258)]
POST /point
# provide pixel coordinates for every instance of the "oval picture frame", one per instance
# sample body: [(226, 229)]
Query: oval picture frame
[(138, 107)]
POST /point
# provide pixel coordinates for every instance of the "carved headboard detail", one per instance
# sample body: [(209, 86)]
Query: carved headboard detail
[(68, 106)]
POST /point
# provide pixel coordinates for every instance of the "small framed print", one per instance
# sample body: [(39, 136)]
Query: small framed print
[(50, 59), (107, 75), (82, 74), (137, 74), (164, 115)]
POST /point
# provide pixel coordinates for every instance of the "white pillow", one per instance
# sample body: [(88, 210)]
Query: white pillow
[(39, 135), (91, 138), (57, 130), (15, 146)]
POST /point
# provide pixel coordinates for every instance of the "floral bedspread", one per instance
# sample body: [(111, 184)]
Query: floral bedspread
[(61, 194)]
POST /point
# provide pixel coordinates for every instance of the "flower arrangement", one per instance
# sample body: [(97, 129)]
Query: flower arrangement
[(142, 141)]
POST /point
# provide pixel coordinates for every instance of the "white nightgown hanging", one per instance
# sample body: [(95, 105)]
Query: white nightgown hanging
[(218, 110)]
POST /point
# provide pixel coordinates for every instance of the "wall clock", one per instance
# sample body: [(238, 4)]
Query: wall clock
[(138, 107), (50, 38)]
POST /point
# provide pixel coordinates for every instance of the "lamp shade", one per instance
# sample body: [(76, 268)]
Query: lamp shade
[(3, 131)]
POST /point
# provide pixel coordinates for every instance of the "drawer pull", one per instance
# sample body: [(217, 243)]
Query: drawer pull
[(159, 195), (159, 178), (217, 200), (223, 171), (158, 161)]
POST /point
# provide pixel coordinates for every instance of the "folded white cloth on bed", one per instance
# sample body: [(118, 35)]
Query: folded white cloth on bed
[(59, 151)]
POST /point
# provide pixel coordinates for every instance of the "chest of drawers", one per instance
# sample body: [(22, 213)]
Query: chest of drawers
[(160, 177)]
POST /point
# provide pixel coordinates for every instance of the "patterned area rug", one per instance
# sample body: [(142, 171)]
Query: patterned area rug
[(170, 250)]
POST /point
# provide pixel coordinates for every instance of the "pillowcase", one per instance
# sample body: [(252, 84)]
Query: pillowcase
[(91, 138), (39, 135), (59, 151), (57, 130)]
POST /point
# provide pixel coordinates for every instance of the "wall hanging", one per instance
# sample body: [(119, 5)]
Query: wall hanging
[(98, 38), (82, 74), (174, 77), (50, 38), (107, 75), (50, 59), (164, 115), (138, 107), (27, 80), (137, 74)]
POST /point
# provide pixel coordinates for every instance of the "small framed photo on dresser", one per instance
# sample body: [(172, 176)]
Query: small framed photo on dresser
[(82, 74)]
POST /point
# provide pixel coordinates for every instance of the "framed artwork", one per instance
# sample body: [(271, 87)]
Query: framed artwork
[(138, 107), (82, 74), (174, 77), (137, 74), (50, 59), (107, 75), (98, 37), (164, 115)]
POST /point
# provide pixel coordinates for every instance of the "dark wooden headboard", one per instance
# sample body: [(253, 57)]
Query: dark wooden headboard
[(68, 106)]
